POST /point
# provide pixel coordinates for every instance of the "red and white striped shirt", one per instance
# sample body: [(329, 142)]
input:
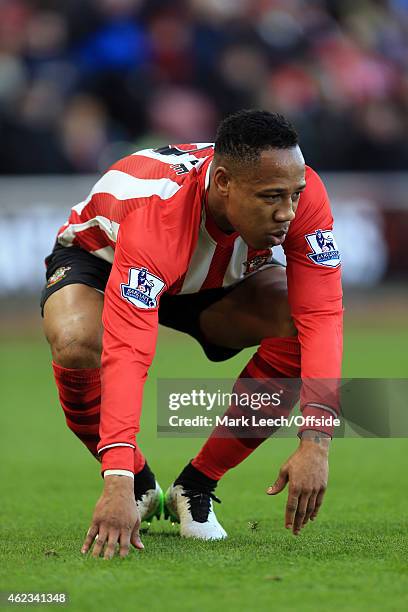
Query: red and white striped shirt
[(218, 260), (148, 217)]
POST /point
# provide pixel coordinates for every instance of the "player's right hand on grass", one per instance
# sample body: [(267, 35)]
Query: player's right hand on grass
[(115, 520), (306, 472)]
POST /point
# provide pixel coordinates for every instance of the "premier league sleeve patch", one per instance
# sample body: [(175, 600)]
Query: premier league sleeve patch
[(324, 247), (142, 288)]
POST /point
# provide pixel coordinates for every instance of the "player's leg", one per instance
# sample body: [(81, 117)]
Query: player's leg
[(73, 327), (257, 308), (256, 312)]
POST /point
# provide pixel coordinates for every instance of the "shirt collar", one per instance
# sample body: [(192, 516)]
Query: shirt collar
[(212, 228)]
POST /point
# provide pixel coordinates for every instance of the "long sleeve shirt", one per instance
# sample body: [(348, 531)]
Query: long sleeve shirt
[(147, 216)]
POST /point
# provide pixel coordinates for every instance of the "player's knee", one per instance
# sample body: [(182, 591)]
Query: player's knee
[(75, 349), (277, 313), (285, 324)]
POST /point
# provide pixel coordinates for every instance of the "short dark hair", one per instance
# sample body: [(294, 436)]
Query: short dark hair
[(243, 135)]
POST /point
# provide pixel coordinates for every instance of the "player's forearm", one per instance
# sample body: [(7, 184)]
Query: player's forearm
[(119, 425), (123, 379), (321, 371), (129, 342), (118, 458)]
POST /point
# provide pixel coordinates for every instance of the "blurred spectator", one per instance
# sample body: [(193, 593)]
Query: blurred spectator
[(84, 132), (182, 115), (82, 80)]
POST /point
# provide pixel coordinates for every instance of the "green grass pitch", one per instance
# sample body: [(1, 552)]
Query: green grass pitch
[(354, 557)]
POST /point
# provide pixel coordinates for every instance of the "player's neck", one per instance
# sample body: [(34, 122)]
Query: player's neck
[(216, 208)]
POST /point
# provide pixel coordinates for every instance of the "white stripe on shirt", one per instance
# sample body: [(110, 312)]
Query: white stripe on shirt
[(106, 253), (200, 261), (235, 267), (110, 228), (125, 187)]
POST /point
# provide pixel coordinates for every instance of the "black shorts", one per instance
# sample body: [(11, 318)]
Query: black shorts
[(72, 265)]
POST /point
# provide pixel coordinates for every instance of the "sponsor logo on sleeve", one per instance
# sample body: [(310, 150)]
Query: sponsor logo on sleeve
[(142, 288), (324, 247)]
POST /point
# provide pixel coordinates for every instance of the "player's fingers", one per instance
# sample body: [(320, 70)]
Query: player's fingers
[(124, 543), (300, 512), (135, 539), (279, 484), (310, 508), (110, 548), (90, 536), (100, 540), (291, 506), (319, 501)]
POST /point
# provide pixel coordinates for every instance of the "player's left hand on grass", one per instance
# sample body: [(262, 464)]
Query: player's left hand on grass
[(115, 521), (307, 472)]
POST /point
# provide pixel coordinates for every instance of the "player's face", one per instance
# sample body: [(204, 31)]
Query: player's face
[(261, 203)]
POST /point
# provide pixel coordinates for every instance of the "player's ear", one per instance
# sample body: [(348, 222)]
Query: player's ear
[(222, 179)]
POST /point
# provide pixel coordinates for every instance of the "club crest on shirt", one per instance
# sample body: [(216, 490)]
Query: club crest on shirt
[(58, 275), (142, 288), (253, 264), (324, 247)]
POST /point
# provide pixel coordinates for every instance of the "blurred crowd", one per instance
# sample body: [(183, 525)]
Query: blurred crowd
[(84, 82)]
